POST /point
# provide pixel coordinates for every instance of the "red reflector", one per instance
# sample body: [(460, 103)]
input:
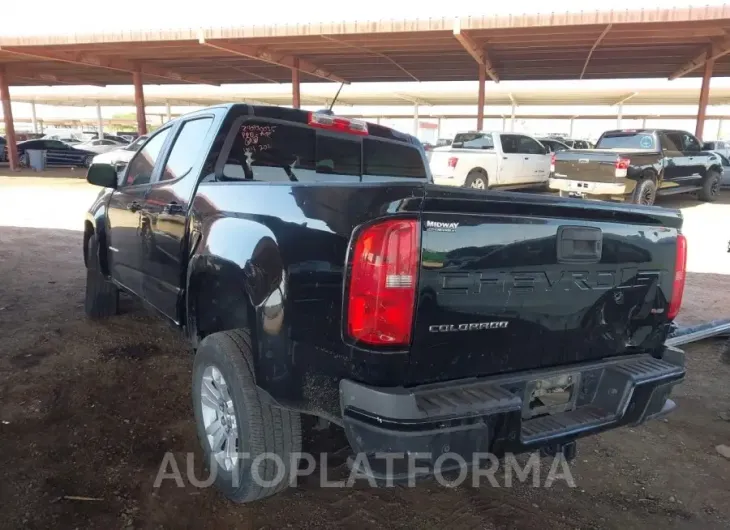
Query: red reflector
[(552, 163), (383, 283), (623, 163), (680, 275), (453, 161), (336, 123)]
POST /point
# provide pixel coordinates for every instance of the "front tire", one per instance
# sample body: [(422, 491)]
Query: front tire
[(710, 186), (233, 419), (476, 180), (644, 193), (102, 296)]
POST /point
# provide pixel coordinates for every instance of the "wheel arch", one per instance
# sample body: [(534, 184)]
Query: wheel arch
[(94, 224), (651, 173), (216, 299), (714, 167), (479, 170)]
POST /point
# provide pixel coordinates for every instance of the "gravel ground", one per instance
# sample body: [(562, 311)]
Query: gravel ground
[(90, 409)]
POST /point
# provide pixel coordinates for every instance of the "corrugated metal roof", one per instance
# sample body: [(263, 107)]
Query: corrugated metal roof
[(566, 45)]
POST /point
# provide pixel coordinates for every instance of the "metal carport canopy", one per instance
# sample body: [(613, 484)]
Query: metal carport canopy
[(589, 45)]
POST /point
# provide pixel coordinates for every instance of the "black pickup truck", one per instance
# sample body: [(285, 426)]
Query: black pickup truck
[(637, 165), (316, 269)]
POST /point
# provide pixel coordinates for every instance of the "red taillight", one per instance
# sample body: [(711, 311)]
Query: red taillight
[(383, 283), (680, 275), (552, 163), (335, 123), (453, 161), (622, 166)]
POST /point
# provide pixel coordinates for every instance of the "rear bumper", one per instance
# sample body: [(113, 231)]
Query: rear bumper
[(587, 188), (490, 415)]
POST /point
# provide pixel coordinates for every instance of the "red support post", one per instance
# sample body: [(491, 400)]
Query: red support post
[(480, 103), (296, 98), (704, 96), (139, 102), (12, 144)]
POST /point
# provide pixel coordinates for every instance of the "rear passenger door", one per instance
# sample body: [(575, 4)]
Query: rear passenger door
[(677, 165), (511, 167), (125, 232), (695, 160), (164, 211), (536, 162), (675, 168)]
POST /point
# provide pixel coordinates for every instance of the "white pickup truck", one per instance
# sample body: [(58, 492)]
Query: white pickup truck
[(484, 160)]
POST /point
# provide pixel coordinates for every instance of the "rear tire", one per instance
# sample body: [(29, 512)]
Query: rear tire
[(102, 296), (711, 185), (260, 428), (476, 180), (644, 193)]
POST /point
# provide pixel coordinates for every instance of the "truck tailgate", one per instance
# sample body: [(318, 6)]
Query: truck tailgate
[(588, 165), (514, 282)]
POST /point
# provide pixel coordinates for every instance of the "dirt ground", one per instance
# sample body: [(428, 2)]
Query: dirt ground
[(90, 409)]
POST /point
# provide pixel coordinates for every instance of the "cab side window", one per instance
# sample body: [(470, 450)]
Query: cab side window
[(142, 165), (528, 146), (187, 147), (669, 142), (690, 143)]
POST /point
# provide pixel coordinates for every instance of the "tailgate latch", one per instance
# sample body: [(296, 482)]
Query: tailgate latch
[(579, 244)]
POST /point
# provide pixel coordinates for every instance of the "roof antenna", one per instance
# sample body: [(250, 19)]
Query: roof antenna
[(328, 111), (336, 96)]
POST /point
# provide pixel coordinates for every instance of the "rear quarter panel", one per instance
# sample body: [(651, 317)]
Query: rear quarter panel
[(468, 160), (272, 257)]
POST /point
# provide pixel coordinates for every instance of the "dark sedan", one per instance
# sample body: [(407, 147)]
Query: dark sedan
[(552, 145), (57, 153)]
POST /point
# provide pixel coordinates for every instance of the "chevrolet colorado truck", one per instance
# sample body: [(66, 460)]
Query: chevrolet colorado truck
[(485, 160), (317, 270), (637, 165)]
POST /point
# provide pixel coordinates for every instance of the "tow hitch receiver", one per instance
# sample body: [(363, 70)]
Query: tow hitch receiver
[(569, 450)]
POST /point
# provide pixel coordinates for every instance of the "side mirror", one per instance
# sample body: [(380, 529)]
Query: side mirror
[(706, 147), (104, 175)]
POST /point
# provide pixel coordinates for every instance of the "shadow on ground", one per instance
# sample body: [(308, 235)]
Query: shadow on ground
[(90, 409)]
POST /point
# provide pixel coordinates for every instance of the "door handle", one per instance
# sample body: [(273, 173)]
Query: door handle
[(134, 206), (173, 208), (527, 158), (504, 158)]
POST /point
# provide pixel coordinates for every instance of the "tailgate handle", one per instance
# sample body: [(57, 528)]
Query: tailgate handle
[(579, 244)]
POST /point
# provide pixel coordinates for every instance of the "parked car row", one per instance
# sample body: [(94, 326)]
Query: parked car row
[(78, 154), (632, 165)]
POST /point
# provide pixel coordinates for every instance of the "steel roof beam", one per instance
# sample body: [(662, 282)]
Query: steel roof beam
[(118, 64), (479, 54), (717, 50), (51, 79), (625, 98), (279, 59)]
